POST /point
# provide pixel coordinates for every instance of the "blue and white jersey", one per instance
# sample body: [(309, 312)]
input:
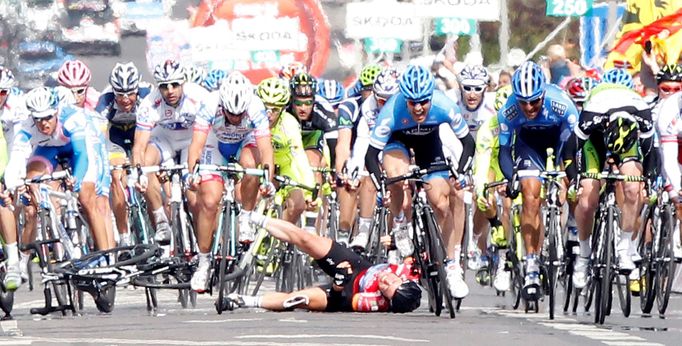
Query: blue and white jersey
[(75, 135), (394, 121), (552, 127), (107, 107)]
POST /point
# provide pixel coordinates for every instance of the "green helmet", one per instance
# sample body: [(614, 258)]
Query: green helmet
[(369, 74), (501, 96), (274, 91)]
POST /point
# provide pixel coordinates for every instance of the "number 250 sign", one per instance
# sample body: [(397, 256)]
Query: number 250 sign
[(565, 8)]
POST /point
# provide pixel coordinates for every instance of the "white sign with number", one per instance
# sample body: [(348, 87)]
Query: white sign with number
[(382, 20), (481, 10)]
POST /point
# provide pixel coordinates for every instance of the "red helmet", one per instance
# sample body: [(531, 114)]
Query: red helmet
[(288, 71), (579, 88), (74, 73)]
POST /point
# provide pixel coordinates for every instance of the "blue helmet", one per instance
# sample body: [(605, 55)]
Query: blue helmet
[(528, 81), (618, 76), (332, 90), (213, 78), (417, 83)]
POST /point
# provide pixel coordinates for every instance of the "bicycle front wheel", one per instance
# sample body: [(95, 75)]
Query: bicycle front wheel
[(665, 272), (438, 259)]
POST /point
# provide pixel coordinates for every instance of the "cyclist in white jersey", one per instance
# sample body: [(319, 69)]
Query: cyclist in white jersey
[(385, 86), (476, 109), (164, 128), (12, 113), (235, 125)]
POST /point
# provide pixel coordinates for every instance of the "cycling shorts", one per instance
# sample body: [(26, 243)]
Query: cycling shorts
[(337, 254), (427, 159), (593, 156), (96, 172), (169, 146)]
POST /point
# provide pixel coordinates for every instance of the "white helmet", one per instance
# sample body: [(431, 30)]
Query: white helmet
[(194, 74), (124, 77), (41, 102), (473, 75), (168, 72), (386, 84), (6, 78), (235, 93)]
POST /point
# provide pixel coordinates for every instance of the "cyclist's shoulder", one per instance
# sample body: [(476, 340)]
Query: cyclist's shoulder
[(671, 106), (558, 102)]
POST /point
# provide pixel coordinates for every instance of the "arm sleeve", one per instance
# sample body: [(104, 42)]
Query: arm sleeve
[(357, 157), (505, 157), (372, 162), (468, 149), (569, 157), (21, 151), (81, 160)]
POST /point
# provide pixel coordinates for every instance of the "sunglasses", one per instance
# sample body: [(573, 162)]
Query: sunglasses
[(669, 89), (4, 92), (422, 103), (43, 119), (125, 94), (381, 100), (167, 86), (79, 91), (531, 102), (303, 103), (475, 89)]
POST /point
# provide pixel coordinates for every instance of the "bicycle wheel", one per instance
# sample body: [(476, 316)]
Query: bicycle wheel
[(646, 279), (6, 297), (227, 227), (624, 295), (438, 259), (552, 270), (429, 276), (665, 272), (332, 220), (567, 283), (603, 287)]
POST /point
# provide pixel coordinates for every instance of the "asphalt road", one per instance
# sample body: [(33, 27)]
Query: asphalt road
[(485, 319)]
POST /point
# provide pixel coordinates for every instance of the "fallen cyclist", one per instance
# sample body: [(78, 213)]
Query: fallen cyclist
[(357, 285)]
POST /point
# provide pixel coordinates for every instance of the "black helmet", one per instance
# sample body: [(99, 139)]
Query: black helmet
[(669, 73), (303, 85), (406, 298), (621, 133)]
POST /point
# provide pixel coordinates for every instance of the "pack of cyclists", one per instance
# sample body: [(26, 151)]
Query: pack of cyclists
[(391, 119)]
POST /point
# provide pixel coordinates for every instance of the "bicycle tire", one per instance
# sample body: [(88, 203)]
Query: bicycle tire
[(429, 276), (567, 283), (624, 295), (605, 277), (665, 272), (6, 297), (227, 224), (332, 220), (439, 256), (646, 279), (551, 266)]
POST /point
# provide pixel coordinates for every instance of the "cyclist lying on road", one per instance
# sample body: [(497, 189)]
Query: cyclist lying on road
[(357, 284)]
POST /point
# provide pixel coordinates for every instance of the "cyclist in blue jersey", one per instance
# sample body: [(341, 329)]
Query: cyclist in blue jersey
[(56, 131), (418, 118), (119, 106), (540, 116)]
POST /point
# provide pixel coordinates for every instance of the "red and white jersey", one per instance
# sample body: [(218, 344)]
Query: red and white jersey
[(155, 112)]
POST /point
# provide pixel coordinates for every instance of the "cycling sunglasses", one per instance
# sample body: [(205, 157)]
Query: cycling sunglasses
[(422, 103), (273, 109), (670, 89), (44, 119), (304, 103), (125, 94), (79, 90), (475, 89), (167, 86), (531, 102)]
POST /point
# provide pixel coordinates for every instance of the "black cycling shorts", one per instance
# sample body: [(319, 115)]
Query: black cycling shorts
[(338, 253)]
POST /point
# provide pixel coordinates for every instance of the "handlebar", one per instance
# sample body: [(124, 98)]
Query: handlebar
[(613, 177), (286, 181)]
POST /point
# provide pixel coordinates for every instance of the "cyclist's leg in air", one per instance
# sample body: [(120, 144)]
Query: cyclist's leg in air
[(312, 244), (630, 200)]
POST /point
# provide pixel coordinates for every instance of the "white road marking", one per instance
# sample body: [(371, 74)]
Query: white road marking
[(223, 321), (41, 340), (293, 320), (10, 328), (631, 343), (606, 335), (316, 336), (15, 342)]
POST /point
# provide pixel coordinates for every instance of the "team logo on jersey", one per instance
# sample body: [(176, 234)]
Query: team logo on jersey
[(510, 113), (504, 127), (558, 108), (383, 130)]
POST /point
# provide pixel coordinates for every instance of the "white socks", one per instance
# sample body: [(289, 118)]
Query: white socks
[(12, 252), (160, 216)]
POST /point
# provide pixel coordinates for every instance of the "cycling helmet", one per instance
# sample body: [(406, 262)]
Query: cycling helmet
[(42, 102), (669, 73), (274, 91), (579, 88), (235, 93), (332, 90), (417, 83), (386, 84), (168, 72), (501, 96), (303, 85), (618, 76), (64, 95), (473, 75), (6, 78), (124, 77), (194, 74), (621, 133), (74, 73), (369, 74), (290, 70), (406, 298), (213, 79), (528, 81)]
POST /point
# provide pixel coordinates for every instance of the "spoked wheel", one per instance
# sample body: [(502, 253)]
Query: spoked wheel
[(430, 273), (516, 281), (665, 272), (552, 269), (438, 251), (6, 298), (624, 295)]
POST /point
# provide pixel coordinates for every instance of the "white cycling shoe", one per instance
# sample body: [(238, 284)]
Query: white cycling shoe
[(455, 276), (580, 267)]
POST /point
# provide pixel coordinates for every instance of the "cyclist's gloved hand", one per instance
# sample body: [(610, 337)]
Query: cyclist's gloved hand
[(193, 181), (512, 192), (481, 201), (572, 193), (342, 274)]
